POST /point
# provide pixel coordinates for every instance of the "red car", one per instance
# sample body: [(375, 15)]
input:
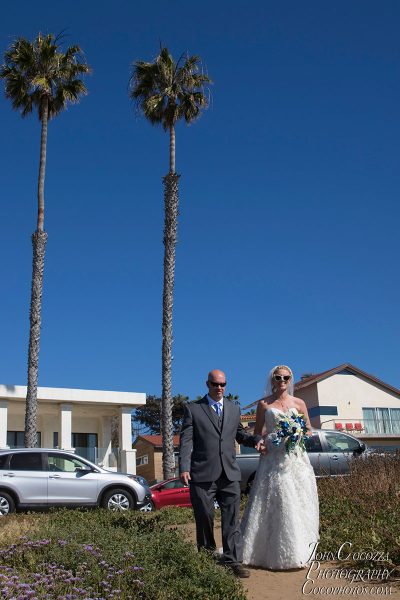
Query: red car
[(170, 492)]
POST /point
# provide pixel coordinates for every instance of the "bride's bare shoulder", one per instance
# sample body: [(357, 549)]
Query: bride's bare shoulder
[(263, 404), (298, 402)]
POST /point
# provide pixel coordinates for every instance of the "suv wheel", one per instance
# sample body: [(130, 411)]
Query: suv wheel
[(118, 500), (7, 504)]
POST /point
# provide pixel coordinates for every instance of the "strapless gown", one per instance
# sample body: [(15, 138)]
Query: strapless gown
[(281, 520)]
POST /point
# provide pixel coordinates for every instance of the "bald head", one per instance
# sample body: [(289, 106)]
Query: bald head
[(215, 374), (215, 391)]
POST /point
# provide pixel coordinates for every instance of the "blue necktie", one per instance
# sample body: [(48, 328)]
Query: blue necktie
[(217, 407)]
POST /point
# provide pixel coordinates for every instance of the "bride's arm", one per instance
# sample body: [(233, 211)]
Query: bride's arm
[(260, 418), (303, 409)]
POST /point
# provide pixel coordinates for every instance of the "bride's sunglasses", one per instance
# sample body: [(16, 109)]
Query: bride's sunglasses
[(281, 377)]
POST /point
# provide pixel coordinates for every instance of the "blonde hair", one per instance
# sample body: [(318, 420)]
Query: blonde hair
[(270, 388)]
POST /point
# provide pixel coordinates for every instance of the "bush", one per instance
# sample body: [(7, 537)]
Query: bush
[(98, 554), (363, 508)]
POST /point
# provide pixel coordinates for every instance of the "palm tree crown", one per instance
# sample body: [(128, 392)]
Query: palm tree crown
[(166, 92), (38, 73)]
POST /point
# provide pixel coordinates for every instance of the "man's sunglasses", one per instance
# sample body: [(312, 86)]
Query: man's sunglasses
[(217, 384), (281, 377)]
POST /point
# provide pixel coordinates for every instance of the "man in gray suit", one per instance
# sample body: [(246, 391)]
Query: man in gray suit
[(207, 459)]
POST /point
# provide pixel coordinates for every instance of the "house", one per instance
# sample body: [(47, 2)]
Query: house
[(73, 419), (149, 456), (346, 398)]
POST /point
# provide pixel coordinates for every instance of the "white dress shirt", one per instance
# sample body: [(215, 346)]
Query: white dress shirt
[(212, 403)]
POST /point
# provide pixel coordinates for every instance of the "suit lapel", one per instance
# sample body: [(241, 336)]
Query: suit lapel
[(210, 412), (226, 412)]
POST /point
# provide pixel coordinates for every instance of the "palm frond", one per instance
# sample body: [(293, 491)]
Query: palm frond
[(38, 69), (182, 88)]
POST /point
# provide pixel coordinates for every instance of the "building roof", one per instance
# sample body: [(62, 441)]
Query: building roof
[(72, 395), (311, 379), (155, 440)]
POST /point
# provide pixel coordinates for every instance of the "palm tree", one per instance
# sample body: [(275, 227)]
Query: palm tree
[(165, 92), (38, 75)]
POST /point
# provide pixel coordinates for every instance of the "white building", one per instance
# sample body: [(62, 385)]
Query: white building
[(72, 419)]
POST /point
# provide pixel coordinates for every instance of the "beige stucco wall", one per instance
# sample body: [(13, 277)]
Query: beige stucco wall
[(309, 394), (351, 393)]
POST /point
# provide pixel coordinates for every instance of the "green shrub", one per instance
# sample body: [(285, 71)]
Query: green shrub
[(98, 554)]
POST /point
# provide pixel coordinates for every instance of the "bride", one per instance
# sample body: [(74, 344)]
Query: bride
[(281, 519)]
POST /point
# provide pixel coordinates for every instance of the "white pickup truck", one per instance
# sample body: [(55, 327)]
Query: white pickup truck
[(329, 452)]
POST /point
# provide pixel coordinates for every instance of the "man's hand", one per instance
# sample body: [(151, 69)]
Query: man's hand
[(185, 477), (261, 447)]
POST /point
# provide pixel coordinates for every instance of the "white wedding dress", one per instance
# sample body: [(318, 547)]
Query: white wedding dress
[(281, 519)]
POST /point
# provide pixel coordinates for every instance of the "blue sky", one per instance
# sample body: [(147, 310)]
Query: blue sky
[(289, 198)]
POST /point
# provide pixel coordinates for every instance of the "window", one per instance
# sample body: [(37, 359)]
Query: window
[(85, 444), (247, 450), (15, 439), (67, 464), (3, 460), (313, 443), (84, 440), (142, 460), (26, 461), (337, 442), (395, 419), (381, 420), (172, 485), (316, 411)]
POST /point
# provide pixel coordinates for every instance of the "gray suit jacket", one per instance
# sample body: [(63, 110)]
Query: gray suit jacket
[(205, 446)]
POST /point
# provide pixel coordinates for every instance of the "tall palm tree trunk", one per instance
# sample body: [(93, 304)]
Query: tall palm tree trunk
[(39, 239), (172, 149), (170, 236)]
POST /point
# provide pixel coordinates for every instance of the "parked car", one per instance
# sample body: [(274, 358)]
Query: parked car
[(329, 451), (38, 478), (171, 492)]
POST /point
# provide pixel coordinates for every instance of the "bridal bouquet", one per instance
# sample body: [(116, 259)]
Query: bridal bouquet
[(290, 429)]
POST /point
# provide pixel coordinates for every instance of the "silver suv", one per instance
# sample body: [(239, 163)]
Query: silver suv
[(37, 478)]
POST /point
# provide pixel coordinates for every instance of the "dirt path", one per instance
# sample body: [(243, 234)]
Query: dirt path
[(288, 585)]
